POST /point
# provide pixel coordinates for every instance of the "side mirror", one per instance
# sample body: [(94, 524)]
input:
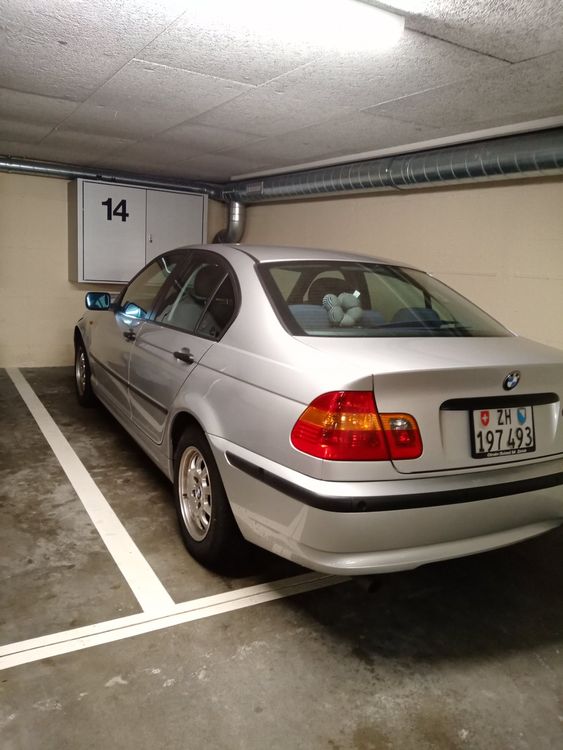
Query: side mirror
[(98, 300)]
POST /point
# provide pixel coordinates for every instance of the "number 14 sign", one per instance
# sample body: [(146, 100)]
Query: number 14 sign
[(120, 210)]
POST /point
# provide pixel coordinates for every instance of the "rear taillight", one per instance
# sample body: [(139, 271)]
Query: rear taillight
[(345, 426), (402, 435), (341, 426)]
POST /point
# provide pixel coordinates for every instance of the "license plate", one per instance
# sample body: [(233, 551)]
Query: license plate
[(502, 432)]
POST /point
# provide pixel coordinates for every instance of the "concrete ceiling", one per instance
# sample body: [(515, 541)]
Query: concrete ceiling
[(198, 89)]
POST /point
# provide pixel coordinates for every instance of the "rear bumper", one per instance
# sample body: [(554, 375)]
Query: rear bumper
[(405, 501), (370, 527), (407, 558)]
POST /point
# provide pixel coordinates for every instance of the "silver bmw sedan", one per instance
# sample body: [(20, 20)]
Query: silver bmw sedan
[(350, 414)]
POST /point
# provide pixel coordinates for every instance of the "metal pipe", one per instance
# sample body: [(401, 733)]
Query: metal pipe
[(530, 155), (70, 171), (235, 226), (534, 154)]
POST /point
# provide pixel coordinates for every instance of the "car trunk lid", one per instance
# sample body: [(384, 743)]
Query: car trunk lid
[(454, 389)]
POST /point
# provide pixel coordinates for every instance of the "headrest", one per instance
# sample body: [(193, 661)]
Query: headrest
[(321, 287), (206, 281)]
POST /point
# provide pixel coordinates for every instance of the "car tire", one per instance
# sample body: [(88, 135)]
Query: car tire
[(82, 376), (207, 524)]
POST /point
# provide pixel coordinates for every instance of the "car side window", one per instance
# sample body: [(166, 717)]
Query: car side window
[(201, 301), (220, 311), (139, 297)]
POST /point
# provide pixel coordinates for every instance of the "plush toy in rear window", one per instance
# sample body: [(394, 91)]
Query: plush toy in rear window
[(344, 310)]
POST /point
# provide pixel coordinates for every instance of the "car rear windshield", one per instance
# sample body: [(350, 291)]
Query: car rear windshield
[(341, 298)]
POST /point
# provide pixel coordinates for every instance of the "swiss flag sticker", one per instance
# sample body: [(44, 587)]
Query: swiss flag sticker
[(485, 417)]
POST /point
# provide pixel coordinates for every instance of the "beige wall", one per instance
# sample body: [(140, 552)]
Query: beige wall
[(38, 305), (216, 218), (499, 244)]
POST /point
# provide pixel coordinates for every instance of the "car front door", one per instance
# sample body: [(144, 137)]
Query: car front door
[(115, 332), (192, 314)]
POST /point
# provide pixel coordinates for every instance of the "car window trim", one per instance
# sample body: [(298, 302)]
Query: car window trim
[(276, 300), (208, 303), (150, 313), (178, 270), (229, 273)]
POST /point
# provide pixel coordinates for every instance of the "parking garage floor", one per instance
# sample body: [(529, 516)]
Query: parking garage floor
[(111, 636)]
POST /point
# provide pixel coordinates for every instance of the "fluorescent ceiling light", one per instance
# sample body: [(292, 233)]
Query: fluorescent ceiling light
[(347, 25), (338, 26)]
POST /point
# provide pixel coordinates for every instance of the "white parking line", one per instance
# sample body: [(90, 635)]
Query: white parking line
[(159, 610), (147, 588), (34, 649)]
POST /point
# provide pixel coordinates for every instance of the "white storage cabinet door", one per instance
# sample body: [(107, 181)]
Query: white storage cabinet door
[(113, 231), (173, 220)]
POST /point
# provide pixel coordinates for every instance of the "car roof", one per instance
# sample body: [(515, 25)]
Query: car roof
[(272, 253)]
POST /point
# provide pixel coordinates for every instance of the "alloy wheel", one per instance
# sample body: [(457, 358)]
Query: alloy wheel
[(194, 490), (81, 372)]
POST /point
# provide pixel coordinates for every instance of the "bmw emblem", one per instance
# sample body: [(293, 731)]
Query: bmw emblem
[(511, 380)]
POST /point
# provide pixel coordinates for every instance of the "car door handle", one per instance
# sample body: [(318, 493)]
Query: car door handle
[(129, 335), (185, 356)]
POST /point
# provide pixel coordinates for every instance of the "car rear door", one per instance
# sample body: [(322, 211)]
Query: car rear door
[(193, 313)]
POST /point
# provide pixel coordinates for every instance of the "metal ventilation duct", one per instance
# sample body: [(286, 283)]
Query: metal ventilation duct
[(235, 226), (71, 171), (533, 154)]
